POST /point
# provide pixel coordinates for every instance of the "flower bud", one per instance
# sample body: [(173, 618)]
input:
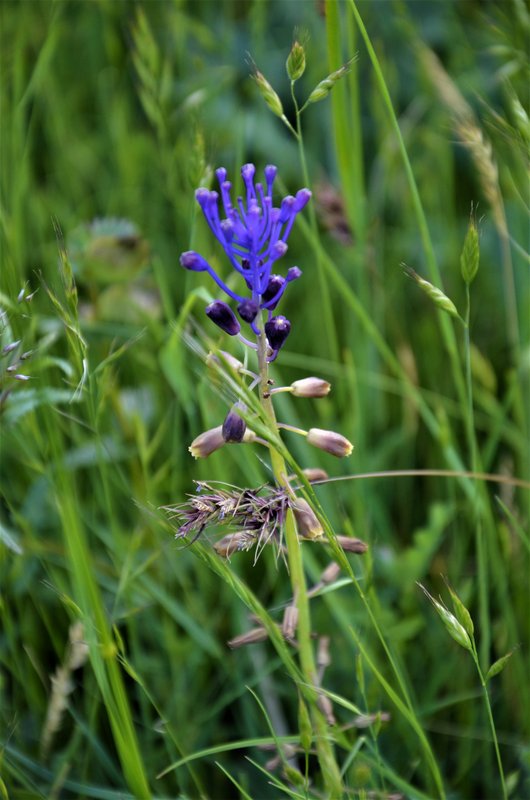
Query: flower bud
[(268, 93), (274, 285), (293, 273), (350, 545), (251, 637), (330, 441), (248, 310), (277, 330), (193, 261), (296, 61), (224, 317), (207, 442), (306, 520), (310, 387), (234, 427), (289, 622)]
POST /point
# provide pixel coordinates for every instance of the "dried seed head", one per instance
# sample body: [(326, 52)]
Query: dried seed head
[(350, 545), (331, 573), (330, 441), (325, 705), (306, 520), (250, 637), (290, 622), (323, 656), (310, 387)]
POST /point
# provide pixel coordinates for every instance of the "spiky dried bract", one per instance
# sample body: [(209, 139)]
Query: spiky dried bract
[(295, 65), (310, 387), (330, 441), (470, 253), (439, 299)]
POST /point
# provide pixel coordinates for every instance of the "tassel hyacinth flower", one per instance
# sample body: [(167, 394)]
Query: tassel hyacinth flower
[(253, 234)]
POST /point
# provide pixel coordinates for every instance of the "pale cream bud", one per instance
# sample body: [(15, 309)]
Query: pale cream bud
[(330, 441), (310, 387), (306, 520), (207, 442)]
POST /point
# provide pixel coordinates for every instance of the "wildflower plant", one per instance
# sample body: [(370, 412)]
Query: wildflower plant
[(253, 230)]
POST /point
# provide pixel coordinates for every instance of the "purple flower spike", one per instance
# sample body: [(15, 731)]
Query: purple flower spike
[(253, 234), (224, 317), (277, 329)]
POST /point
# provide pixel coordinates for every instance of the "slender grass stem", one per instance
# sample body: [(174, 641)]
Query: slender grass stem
[(490, 719), (329, 323)]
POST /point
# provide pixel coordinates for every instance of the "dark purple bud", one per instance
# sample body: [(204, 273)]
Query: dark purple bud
[(273, 287), (234, 427), (277, 330), (193, 261), (224, 317), (293, 273), (248, 310)]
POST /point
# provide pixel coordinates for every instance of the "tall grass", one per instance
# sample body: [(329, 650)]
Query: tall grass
[(119, 112)]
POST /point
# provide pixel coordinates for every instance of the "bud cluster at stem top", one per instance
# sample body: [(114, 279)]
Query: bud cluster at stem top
[(253, 234)]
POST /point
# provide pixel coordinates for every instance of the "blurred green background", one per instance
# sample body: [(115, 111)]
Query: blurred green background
[(113, 113)]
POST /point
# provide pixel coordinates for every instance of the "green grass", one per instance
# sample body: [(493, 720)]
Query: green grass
[(119, 111)]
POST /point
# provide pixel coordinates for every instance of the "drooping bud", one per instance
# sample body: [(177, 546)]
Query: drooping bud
[(224, 317), (277, 330), (325, 86), (439, 299), (470, 253), (306, 520), (295, 64), (193, 261), (330, 441), (234, 427), (268, 93), (310, 387), (248, 310), (207, 442)]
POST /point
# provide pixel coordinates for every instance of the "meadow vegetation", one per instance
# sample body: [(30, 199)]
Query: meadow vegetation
[(116, 679)]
